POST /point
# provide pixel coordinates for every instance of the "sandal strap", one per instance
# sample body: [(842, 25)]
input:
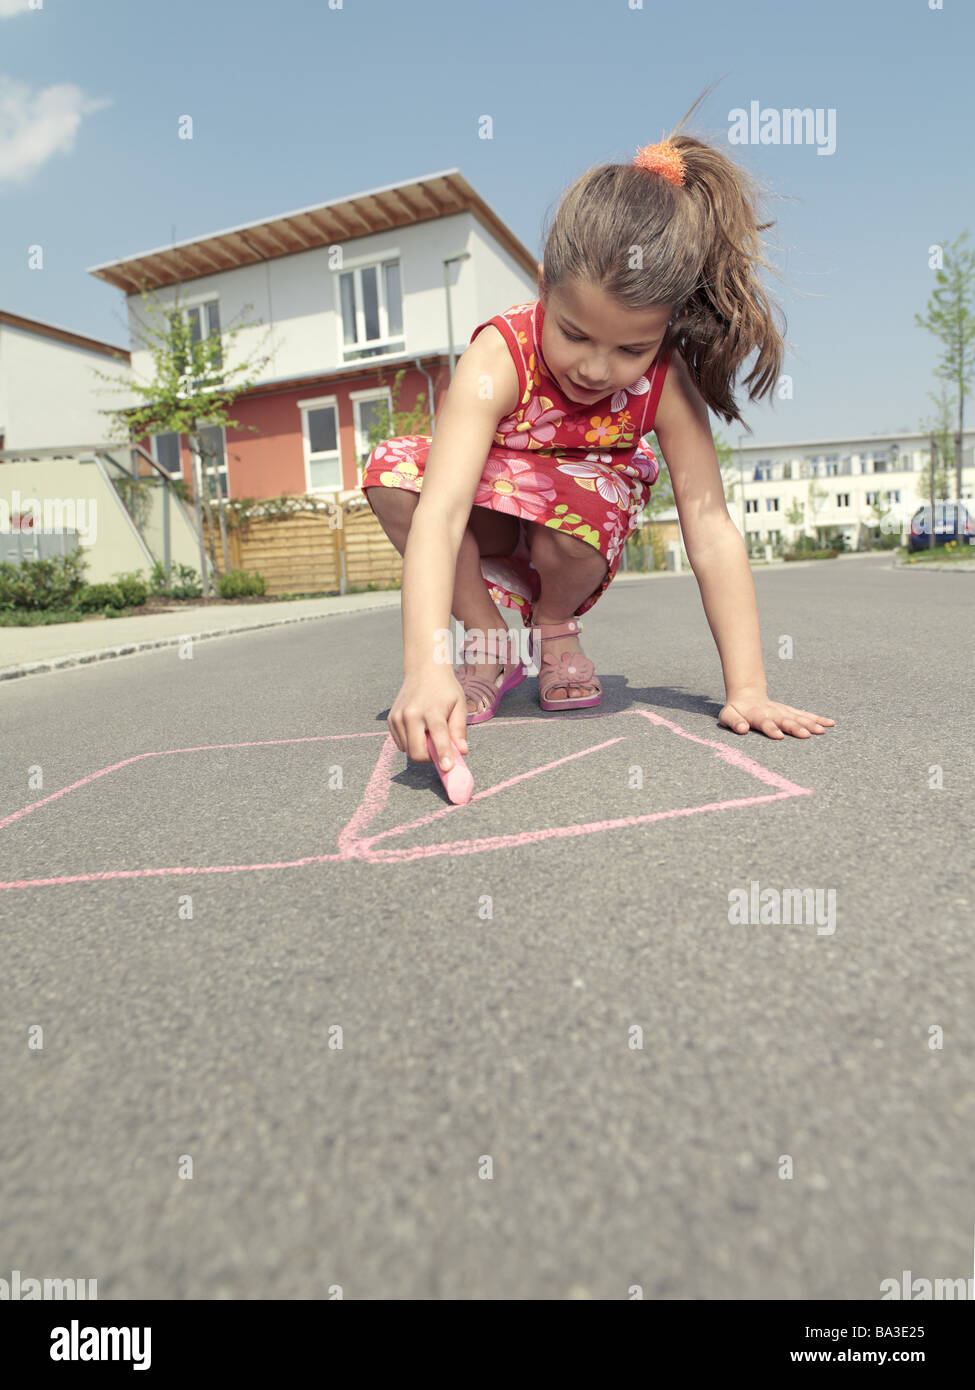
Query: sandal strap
[(491, 649), (476, 686), (546, 630), (541, 632)]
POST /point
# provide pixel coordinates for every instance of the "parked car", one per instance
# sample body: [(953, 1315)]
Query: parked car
[(952, 520)]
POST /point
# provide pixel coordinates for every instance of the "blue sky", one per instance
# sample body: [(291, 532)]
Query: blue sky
[(298, 102)]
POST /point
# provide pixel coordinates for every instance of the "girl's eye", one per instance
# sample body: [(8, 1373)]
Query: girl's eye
[(630, 352)]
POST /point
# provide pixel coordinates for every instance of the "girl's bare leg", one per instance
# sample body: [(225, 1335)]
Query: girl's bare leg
[(471, 604), (569, 570)]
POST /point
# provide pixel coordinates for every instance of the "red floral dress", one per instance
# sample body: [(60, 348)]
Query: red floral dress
[(578, 468)]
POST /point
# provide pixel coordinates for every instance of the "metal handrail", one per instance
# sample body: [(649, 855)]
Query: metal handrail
[(106, 449)]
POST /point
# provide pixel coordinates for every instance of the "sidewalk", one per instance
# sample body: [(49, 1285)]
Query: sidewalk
[(28, 651)]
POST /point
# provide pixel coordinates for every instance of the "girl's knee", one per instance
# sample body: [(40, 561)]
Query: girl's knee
[(394, 503), (558, 547)]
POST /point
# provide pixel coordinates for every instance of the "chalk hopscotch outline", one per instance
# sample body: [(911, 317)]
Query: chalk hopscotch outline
[(354, 844)]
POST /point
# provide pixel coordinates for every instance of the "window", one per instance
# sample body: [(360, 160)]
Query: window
[(320, 440), (165, 450), (842, 499), (751, 504), (214, 456), (368, 407), (771, 504), (202, 319), (371, 299)]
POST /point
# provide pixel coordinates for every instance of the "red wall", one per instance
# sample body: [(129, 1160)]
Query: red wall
[(268, 461)]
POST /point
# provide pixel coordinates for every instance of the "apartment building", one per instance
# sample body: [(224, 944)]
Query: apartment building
[(829, 487), (339, 297)]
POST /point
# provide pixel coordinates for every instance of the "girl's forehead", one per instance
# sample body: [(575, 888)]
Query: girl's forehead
[(591, 307)]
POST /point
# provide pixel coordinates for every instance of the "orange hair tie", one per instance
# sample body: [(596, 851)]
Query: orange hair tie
[(663, 159)]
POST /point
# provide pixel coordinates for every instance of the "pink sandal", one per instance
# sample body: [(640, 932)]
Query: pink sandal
[(571, 668), (478, 688)]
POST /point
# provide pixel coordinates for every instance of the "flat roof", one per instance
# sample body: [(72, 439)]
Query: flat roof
[(374, 210)]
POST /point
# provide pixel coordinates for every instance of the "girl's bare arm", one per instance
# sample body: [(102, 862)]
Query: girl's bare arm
[(483, 390)]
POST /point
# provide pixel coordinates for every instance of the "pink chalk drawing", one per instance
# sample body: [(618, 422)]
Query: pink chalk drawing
[(355, 844)]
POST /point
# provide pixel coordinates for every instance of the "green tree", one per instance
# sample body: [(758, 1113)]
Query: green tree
[(950, 317), (938, 424), (389, 424), (191, 387)]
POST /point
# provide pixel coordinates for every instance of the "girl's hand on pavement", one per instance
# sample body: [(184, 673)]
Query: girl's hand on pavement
[(430, 699), (752, 711)]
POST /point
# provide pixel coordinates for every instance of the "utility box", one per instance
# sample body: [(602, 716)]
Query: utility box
[(673, 556)]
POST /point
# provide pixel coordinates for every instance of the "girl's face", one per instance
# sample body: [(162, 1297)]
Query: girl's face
[(592, 345)]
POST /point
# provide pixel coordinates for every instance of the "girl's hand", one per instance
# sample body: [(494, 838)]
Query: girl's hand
[(753, 710), (430, 699)]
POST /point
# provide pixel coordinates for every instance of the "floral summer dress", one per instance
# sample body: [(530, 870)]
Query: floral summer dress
[(579, 468)]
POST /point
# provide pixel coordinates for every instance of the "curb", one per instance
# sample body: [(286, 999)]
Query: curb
[(37, 668), (962, 566), (58, 663)]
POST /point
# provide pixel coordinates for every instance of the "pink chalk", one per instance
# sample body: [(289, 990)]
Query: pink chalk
[(458, 781)]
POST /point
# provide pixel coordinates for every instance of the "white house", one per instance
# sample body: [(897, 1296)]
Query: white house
[(338, 297), (49, 393)]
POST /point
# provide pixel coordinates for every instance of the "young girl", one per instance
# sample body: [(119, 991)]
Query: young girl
[(649, 303)]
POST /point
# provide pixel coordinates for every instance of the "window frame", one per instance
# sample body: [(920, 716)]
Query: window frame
[(319, 403), (368, 349), (358, 399)]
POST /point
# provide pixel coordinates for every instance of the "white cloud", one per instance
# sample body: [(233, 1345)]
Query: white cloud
[(12, 7), (34, 125)]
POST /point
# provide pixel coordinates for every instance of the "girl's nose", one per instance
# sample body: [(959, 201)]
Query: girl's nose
[(592, 380)]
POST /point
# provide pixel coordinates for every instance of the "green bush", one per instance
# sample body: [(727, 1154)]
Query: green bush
[(162, 585), (810, 555), (240, 584), (43, 584), (38, 617), (94, 597), (134, 588)]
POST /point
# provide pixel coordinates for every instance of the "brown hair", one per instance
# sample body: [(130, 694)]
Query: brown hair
[(701, 250)]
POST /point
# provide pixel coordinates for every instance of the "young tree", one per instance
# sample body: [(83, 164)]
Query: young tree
[(191, 388), (949, 316), (939, 425), (389, 424)]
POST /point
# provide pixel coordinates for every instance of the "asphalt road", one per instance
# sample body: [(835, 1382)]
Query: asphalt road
[(512, 1050)]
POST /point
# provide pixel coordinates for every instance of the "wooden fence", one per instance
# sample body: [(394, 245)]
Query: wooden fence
[(307, 552)]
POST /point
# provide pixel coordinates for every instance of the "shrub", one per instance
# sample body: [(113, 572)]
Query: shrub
[(134, 588), (810, 555), (240, 584), (162, 585), (41, 584), (94, 597)]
